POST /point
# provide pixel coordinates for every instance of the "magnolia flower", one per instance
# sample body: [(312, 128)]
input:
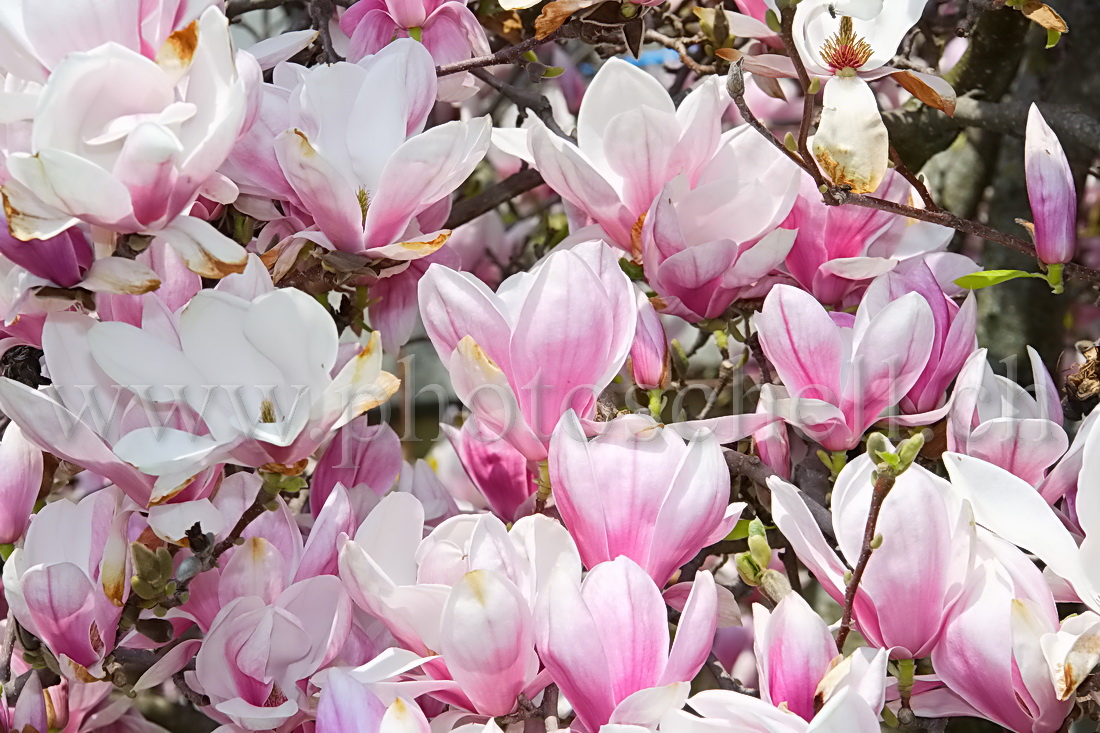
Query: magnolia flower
[(362, 458), (1003, 655), (724, 710), (839, 250), (797, 662), (70, 593), (83, 414), (368, 174), (127, 143), (449, 30), (466, 591), (918, 572), (995, 419), (849, 42), (549, 341), (607, 175), (21, 469), (640, 491), (606, 643), (261, 376), (36, 35), (498, 472), (68, 261), (395, 573), (704, 248), (955, 329), (840, 371), (348, 706), (1051, 192), (1011, 508), (256, 653)]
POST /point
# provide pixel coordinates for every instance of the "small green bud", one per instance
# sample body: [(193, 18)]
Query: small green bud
[(877, 446), (876, 541), (748, 570), (147, 565), (775, 585), (847, 577), (815, 85), (773, 22), (790, 142), (909, 450), (144, 590)]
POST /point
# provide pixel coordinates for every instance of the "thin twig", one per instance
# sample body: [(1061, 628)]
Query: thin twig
[(808, 161), (883, 484), (506, 55), (726, 371), (7, 650), (197, 699), (679, 45), (735, 85), (914, 180), (533, 101)]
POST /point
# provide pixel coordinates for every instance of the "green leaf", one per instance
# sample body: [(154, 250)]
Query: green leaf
[(415, 33), (632, 269), (1053, 37), (553, 72), (978, 280)]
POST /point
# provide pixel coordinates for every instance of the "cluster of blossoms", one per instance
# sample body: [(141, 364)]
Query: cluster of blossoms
[(212, 256)]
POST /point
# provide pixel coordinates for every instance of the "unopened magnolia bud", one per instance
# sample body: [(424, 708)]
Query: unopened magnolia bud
[(877, 444), (735, 80), (758, 544), (774, 585), (908, 451), (773, 22), (747, 569), (189, 568), (147, 565)]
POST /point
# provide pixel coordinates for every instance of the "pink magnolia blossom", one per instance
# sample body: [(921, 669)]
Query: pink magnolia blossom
[(448, 29), (256, 653), (650, 359), (913, 579), (499, 472), (704, 248), (371, 187), (955, 329), (1012, 509), (840, 249), (641, 491), (68, 261), (70, 593), (797, 661), (1003, 656), (606, 643), (606, 175), (1051, 192), (995, 419), (548, 341), (348, 706), (36, 35), (361, 457), (135, 162), (724, 710), (842, 372), (387, 580), (227, 364), (21, 472), (84, 414)]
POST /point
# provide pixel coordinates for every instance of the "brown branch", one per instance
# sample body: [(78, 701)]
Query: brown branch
[(507, 55), (679, 45), (735, 85), (914, 180), (809, 164), (883, 484), (492, 197), (726, 371), (197, 699)]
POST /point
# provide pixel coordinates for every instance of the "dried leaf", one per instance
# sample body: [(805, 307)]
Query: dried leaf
[(923, 91), (1045, 16), (556, 13)]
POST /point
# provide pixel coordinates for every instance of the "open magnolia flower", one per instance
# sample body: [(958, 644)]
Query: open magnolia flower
[(262, 376), (126, 143), (849, 42)]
